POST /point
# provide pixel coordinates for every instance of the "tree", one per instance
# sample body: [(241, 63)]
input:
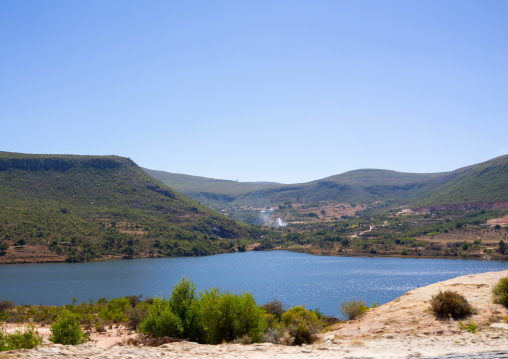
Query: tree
[(3, 247), (502, 247)]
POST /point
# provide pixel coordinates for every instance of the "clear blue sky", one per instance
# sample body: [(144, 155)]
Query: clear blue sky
[(286, 90)]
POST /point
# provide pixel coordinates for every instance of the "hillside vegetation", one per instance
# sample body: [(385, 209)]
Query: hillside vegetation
[(87, 207), (484, 182), (209, 191)]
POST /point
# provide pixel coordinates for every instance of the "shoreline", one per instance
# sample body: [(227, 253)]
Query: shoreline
[(311, 251), (402, 328)]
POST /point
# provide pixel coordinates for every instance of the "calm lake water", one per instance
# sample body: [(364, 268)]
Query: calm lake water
[(293, 278)]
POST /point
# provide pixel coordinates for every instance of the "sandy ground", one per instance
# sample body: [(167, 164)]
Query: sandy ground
[(113, 336), (410, 313)]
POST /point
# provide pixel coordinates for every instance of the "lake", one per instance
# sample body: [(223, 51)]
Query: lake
[(291, 277)]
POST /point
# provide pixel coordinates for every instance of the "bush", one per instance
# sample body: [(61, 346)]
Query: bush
[(185, 305), (450, 303), (136, 315), (353, 308), (6, 305), (115, 311), (27, 339), (272, 335), (271, 321), (227, 316), (161, 321), (303, 325), (275, 308), (67, 330), (500, 292), (134, 299), (99, 326), (245, 340), (470, 327)]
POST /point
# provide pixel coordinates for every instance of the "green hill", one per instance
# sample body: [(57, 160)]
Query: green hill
[(359, 186), (354, 186), (484, 182), (209, 191), (89, 207), (381, 177)]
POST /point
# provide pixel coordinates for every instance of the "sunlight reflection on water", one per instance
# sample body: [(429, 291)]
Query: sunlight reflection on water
[(294, 278)]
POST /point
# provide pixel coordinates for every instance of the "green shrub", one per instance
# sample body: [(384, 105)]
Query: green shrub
[(450, 303), (353, 308), (115, 311), (470, 327), (185, 305), (102, 301), (500, 292), (67, 330), (302, 325), (161, 321), (271, 321), (26, 339), (134, 299), (227, 316), (46, 315)]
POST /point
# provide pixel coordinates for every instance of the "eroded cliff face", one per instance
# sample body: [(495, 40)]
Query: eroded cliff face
[(474, 206), (34, 164), (55, 164)]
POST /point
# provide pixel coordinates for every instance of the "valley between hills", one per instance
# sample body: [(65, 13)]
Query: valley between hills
[(85, 208)]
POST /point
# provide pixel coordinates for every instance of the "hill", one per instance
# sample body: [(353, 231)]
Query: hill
[(482, 183), (209, 191), (363, 186), (81, 208), (485, 182), (359, 186), (382, 177)]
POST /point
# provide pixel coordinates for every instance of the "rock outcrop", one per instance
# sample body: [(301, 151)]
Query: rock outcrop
[(474, 206)]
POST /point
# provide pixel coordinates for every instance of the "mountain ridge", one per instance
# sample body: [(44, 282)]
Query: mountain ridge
[(466, 184)]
